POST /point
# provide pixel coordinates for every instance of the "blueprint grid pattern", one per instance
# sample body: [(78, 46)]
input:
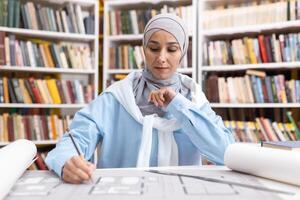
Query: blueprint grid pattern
[(138, 184)]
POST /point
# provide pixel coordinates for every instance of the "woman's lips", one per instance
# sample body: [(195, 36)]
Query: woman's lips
[(161, 67)]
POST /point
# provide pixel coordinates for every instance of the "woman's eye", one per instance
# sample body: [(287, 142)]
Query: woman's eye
[(154, 49), (172, 49)]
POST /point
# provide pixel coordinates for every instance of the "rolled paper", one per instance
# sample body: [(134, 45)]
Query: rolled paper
[(15, 158), (275, 164)]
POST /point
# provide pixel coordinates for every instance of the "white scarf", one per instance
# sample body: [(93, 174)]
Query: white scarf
[(167, 146)]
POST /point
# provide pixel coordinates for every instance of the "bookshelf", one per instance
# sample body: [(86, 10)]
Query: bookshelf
[(53, 31), (49, 34), (38, 143), (114, 38), (101, 20), (227, 21), (256, 105)]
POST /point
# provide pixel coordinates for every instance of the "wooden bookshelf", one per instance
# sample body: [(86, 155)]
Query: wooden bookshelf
[(38, 105), (49, 34), (136, 39), (264, 66), (36, 142), (237, 115), (277, 26), (255, 105), (86, 76), (45, 70)]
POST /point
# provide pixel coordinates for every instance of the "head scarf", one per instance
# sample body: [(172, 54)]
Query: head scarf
[(147, 82), (170, 23)]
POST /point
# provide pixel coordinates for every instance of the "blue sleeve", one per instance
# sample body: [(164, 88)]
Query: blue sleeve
[(205, 129), (87, 129)]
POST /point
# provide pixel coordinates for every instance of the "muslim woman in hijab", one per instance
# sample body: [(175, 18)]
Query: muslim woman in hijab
[(157, 117)]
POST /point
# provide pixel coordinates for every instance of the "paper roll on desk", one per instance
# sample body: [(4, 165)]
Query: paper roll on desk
[(276, 164), (15, 158)]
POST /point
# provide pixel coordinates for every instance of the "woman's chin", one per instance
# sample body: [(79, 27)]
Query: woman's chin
[(162, 76)]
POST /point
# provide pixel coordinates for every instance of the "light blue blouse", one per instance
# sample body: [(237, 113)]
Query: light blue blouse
[(106, 121)]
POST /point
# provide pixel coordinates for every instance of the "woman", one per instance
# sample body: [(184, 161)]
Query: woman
[(152, 118)]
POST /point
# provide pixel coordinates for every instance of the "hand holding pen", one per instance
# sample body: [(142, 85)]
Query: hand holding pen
[(77, 170)]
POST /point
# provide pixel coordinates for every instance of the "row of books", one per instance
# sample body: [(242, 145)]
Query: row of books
[(70, 19), (45, 91), (39, 163), (251, 13), (16, 52), (132, 57), (126, 57), (134, 21), (262, 129), (32, 127), (252, 89), (263, 49)]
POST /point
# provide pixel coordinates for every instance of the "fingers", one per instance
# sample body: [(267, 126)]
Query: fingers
[(155, 98), (70, 177), (76, 170), (160, 102), (82, 165), (161, 97), (91, 166)]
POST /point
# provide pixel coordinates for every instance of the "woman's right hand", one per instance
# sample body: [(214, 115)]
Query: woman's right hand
[(77, 170)]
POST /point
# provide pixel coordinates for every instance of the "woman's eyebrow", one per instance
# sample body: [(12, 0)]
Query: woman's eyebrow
[(172, 43), (153, 41), (169, 43)]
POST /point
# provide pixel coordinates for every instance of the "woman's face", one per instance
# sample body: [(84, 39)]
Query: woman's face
[(162, 55)]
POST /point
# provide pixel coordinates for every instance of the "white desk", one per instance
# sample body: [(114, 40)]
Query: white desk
[(116, 184)]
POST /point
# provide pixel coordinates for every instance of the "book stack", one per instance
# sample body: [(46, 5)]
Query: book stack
[(248, 50), (48, 62), (284, 145), (249, 66), (225, 15), (134, 21), (71, 18), (33, 127), (126, 57), (262, 129), (44, 91), (39, 53), (252, 89)]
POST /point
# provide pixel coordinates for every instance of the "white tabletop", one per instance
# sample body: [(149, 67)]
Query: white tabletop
[(207, 182)]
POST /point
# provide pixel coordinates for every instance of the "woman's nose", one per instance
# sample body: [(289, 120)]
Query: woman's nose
[(161, 57)]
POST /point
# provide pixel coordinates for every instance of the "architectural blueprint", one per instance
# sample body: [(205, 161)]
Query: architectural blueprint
[(142, 184)]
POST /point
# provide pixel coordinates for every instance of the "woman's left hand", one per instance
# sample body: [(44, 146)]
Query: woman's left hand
[(162, 97)]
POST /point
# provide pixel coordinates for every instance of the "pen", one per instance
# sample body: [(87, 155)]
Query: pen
[(73, 141), (76, 147)]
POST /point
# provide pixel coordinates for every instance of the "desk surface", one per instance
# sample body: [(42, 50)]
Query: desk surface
[(141, 184)]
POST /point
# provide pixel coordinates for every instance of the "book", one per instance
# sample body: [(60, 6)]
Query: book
[(285, 145), (52, 87), (212, 88), (291, 119), (2, 48), (40, 162), (256, 73)]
